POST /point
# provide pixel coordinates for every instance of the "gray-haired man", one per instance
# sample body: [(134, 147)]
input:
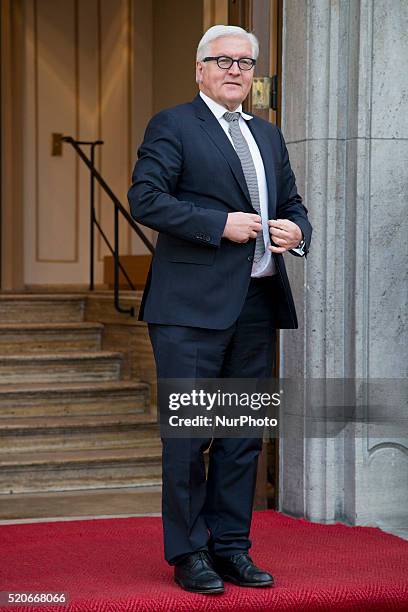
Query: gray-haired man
[(217, 185)]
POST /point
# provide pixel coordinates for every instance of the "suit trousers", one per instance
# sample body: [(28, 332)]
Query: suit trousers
[(213, 512)]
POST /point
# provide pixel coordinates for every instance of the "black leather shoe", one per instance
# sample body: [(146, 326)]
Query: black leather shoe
[(196, 574), (240, 570)]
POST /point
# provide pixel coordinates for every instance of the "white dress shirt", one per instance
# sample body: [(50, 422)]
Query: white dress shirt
[(266, 265)]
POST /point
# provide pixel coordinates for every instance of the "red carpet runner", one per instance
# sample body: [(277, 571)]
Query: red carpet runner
[(112, 565)]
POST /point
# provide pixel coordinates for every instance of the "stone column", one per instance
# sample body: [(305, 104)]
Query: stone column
[(345, 109)]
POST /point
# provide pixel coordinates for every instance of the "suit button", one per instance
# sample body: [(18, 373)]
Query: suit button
[(250, 257)]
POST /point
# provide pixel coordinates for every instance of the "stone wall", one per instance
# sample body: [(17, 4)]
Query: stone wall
[(345, 108)]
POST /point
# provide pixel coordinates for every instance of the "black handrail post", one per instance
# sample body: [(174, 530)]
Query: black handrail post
[(116, 256), (130, 310), (92, 220)]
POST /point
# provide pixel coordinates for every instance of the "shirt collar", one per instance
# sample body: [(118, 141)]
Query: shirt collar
[(218, 110)]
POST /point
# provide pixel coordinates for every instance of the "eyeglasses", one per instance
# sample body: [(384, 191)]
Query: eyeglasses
[(224, 62)]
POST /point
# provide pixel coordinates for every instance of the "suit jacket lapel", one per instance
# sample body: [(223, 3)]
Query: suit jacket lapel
[(265, 148), (211, 126)]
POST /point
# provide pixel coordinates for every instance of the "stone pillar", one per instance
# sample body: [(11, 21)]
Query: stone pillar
[(345, 109)]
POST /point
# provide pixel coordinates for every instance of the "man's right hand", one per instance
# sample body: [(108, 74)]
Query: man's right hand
[(241, 226)]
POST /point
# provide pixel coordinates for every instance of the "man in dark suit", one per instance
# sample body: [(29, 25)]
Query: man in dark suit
[(217, 185)]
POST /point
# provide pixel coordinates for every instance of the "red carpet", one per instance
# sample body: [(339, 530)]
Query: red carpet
[(112, 565)]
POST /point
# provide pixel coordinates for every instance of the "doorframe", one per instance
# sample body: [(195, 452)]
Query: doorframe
[(241, 13), (12, 37)]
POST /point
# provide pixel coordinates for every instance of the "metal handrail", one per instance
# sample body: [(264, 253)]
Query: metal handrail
[(118, 207)]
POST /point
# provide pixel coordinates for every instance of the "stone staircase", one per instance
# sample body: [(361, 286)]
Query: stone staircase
[(76, 437)]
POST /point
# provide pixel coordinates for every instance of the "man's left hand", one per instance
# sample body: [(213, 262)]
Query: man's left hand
[(285, 234)]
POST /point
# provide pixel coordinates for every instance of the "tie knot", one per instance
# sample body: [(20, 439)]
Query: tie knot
[(231, 116)]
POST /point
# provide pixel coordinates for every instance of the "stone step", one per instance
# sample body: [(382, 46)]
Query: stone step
[(26, 308), (55, 367), (81, 469), (75, 399), (124, 501), (63, 433), (48, 337)]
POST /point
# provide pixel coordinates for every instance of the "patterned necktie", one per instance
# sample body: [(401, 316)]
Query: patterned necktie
[(248, 168)]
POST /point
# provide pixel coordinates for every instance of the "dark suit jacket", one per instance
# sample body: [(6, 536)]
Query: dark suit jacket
[(185, 182)]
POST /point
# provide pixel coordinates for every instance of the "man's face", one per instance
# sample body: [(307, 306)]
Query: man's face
[(227, 87)]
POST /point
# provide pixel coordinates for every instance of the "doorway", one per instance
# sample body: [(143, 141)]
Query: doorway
[(94, 71), (100, 70)]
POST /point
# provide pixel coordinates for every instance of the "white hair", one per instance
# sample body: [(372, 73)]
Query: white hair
[(219, 31)]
